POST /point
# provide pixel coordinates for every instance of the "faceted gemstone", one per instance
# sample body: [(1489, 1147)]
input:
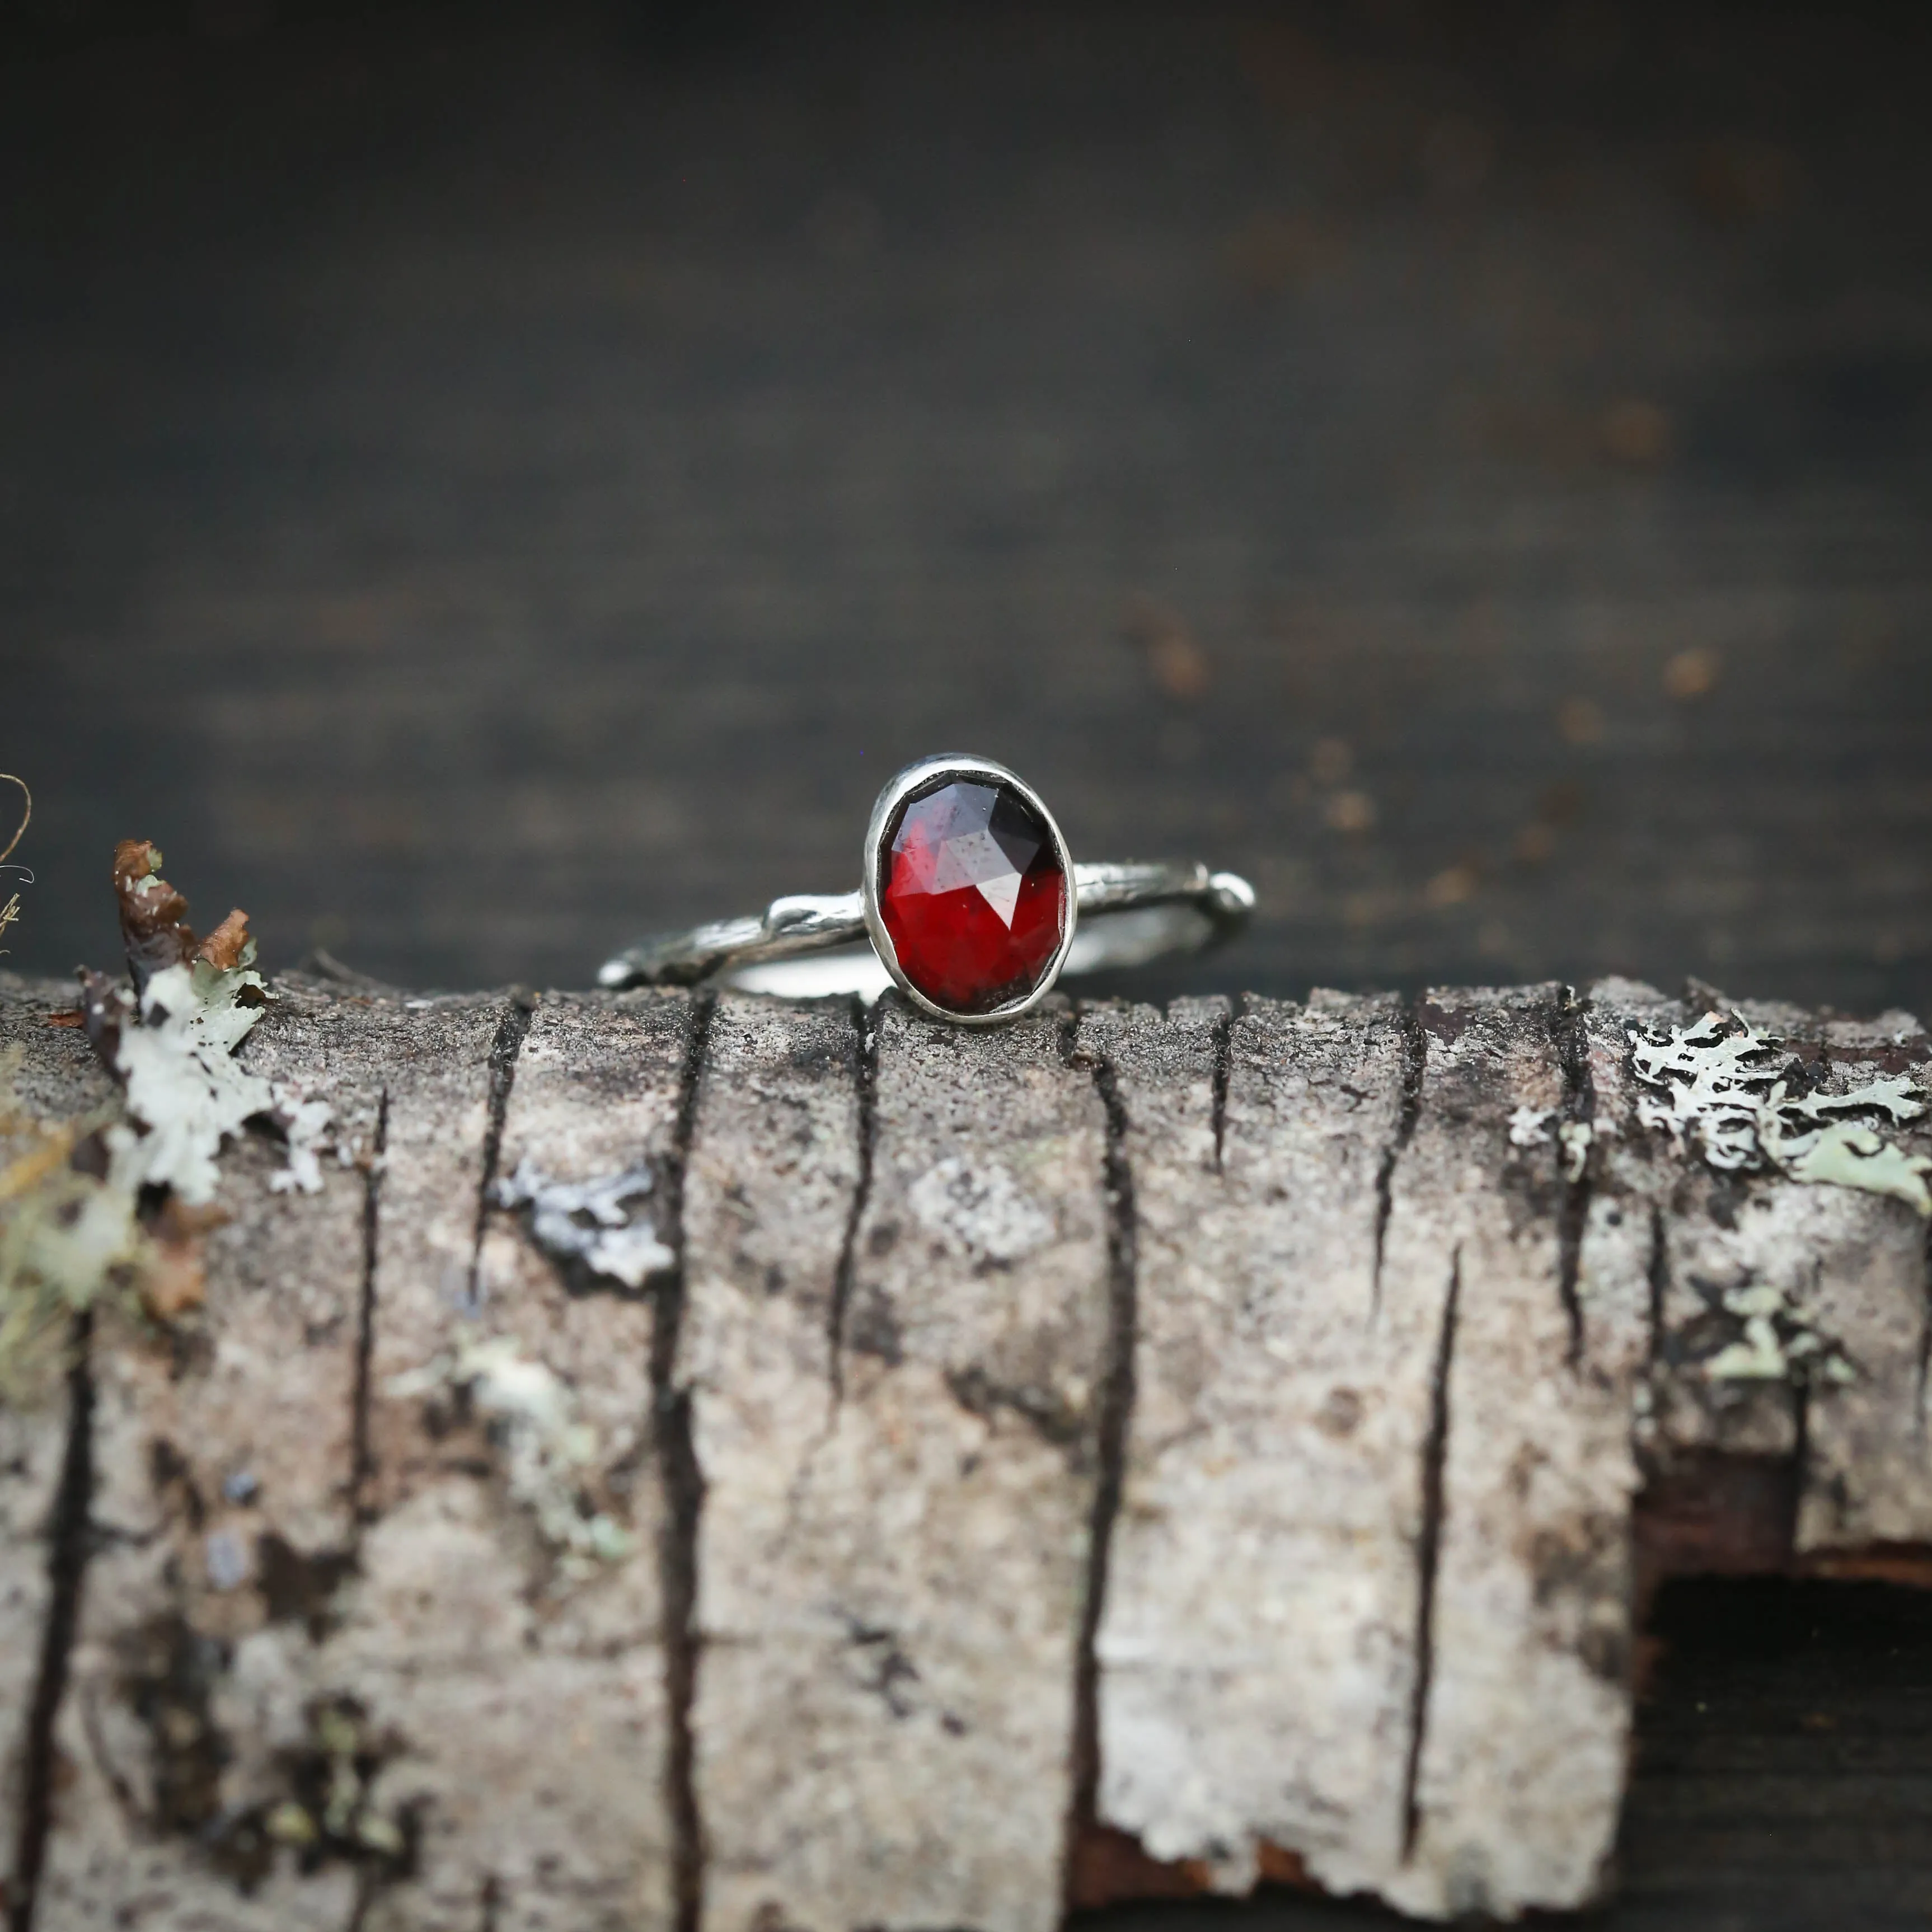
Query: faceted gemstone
[(973, 894)]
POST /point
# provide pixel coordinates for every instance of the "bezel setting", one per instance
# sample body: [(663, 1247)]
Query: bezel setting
[(926, 775)]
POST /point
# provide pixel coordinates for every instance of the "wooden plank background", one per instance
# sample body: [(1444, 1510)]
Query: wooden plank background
[(477, 484)]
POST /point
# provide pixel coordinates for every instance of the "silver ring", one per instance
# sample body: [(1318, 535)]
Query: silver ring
[(969, 901)]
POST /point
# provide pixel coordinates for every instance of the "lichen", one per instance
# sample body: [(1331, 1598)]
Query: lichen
[(547, 1448), (980, 1208), (307, 1123), (590, 1221), (1778, 1343), (172, 1042), (186, 1090), (68, 1235), (1716, 1089), (332, 1814), (117, 1201), (1529, 1127)]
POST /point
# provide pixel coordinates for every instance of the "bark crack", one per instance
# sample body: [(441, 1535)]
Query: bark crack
[(1114, 1412), (1580, 1108), (1223, 1039), (1925, 1325), (1658, 1274), (67, 1552), (866, 1027), (1414, 1064), (504, 1050), (684, 1499), (1428, 1554), (361, 1460), (1801, 1455), (367, 1885)]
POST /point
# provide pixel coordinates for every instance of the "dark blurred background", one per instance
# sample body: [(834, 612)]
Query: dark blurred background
[(476, 484)]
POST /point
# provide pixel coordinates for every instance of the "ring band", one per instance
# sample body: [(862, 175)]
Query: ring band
[(971, 904)]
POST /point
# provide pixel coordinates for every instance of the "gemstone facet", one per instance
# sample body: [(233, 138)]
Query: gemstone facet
[(973, 892)]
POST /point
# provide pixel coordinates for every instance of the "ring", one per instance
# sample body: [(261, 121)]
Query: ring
[(969, 901)]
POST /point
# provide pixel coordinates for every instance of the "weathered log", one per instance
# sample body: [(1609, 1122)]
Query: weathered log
[(700, 1462)]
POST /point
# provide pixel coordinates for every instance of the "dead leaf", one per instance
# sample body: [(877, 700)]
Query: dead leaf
[(153, 916), (224, 947), (174, 1281)]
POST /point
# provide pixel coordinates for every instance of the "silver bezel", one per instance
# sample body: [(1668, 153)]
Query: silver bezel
[(919, 777)]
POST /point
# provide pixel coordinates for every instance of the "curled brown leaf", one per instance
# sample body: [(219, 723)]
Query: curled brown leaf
[(174, 1281), (224, 947), (153, 916)]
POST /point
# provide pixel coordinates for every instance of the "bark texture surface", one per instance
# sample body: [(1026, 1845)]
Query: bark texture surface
[(700, 1462)]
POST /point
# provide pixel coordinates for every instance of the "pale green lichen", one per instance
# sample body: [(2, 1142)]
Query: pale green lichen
[(188, 1093), (1715, 1090), (289, 1824), (185, 1087), (1573, 1140), (66, 1237), (547, 1449), (308, 1124), (346, 1818), (1778, 1343), (1529, 1127)]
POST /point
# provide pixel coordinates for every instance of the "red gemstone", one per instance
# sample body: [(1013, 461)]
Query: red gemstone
[(973, 894)]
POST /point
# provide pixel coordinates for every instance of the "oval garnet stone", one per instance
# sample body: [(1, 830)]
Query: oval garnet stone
[(972, 891)]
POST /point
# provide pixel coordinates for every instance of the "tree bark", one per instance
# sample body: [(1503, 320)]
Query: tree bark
[(1120, 1454)]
